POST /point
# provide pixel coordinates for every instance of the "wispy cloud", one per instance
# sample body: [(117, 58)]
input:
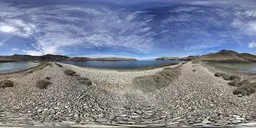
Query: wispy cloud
[(53, 28), (185, 26), (252, 44)]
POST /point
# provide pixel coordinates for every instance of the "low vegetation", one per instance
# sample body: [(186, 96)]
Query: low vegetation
[(244, 90), (85, 81), (70, 72), (157, 81), (227, 77), (59, 65), (244, 87), (42, 84), (6, 83)]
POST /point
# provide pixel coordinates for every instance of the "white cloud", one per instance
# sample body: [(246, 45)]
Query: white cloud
[(31, 52), (7, 29), (53, 28), (252, 45), (14, 49)]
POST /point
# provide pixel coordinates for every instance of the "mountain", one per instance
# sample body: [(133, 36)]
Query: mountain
[(50, 57), (47, 57), (167, 58), (100, 59), (226, 56)]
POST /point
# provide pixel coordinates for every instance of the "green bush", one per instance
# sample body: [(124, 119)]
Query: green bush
[(6, 83)]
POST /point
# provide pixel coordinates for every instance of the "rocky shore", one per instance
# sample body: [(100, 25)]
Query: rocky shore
[(189, 95)]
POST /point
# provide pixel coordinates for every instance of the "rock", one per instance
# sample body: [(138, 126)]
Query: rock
[(239, 95), (206, 121), (236, 121), (102, 120)]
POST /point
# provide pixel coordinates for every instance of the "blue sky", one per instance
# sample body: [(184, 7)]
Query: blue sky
[(140, 29)]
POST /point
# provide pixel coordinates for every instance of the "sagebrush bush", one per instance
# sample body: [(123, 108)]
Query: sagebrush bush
[(83, 80), (234, 83), (217, 74), (235, 77), (59, 65), (42, 84), (6, 83), (244, 90), (70, 72)]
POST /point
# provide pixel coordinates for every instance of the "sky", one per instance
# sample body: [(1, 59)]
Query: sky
[(122, 28)]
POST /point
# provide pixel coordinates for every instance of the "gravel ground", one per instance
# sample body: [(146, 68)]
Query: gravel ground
[(194, 97)]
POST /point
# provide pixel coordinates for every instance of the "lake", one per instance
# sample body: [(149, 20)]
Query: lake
[(124, 64), (15, 66), (243, 67)]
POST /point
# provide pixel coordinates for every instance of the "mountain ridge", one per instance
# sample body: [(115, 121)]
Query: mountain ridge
[(50, 57)]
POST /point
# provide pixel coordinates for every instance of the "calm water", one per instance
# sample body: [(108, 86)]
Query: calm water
[(244, 67), (15, 66), (123, 64)]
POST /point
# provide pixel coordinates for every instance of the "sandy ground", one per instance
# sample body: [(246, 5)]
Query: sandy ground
[(193, 97)]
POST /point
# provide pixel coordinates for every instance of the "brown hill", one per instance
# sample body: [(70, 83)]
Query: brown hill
[(224, 56), (100, 59), (167, 58), (47, 57)]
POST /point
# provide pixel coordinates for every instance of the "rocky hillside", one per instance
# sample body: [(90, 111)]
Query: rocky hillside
[(168, 58), (50, 57), (100, 59), (225, 56), (47, 57)]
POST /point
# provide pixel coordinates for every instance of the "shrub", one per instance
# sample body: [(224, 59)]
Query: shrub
[(217, 74), (234, 83), (235, 77), (194, 70), (59, 65), (42, 84), (244, 82), (244, 90), (84, 81), (6, 83), (70, 72), (47, 78), (225, 76)]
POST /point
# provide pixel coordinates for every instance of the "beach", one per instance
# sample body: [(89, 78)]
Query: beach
[(185, 94)]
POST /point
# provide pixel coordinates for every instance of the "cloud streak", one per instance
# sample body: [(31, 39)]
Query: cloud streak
[(152, 28)]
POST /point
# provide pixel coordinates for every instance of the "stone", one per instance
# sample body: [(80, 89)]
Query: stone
[(236, 121)]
